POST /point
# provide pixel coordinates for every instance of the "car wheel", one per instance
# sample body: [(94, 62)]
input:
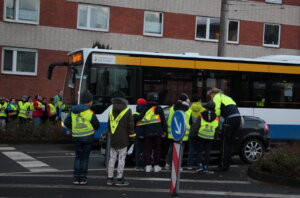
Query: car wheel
[(252, 150)]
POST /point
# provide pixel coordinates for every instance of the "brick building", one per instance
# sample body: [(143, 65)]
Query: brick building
[(34, 33)]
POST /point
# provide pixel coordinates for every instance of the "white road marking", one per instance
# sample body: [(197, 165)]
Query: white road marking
[(151, 190), (137, 178), (28, 162), (7, 148)]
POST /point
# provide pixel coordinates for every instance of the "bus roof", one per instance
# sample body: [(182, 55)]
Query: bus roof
[(273, 59)]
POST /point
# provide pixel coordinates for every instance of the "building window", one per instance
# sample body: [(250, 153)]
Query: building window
[(233, 31), (24, 11), (207, 29), (93, 17), (272, 35), (19, 61), (274, 1), (153, 23)]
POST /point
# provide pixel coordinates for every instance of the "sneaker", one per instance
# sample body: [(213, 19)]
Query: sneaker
[(83, 180), (157, 168), (110, 181), (167, 167), (76, 180), (137, 169), (141, 169), (121, 182), (200, 167), (149, 168)]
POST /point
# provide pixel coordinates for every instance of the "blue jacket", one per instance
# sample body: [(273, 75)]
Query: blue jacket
[(95, 122), (139, 130)]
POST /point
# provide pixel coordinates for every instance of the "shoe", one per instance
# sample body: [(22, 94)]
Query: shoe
[(110, 181), (157, 168), (200, 167), (149, 168), (141, 169), (121, 182), (83, 180), (137, 169), (189, 168), (167, 167), (76, 180)]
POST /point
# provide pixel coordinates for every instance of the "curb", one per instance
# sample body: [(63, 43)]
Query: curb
[(273, 179)]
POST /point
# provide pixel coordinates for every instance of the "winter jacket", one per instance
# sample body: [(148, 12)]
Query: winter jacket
[(139, 130), (94, 121), (196, 108), (38, 112), (208, 116), (125, 128), (154, 129)]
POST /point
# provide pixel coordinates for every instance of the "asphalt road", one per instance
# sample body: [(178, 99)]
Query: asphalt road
[(45, 170)]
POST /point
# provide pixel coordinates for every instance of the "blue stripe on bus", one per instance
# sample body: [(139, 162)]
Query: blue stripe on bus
[(284, 132), (103, 127)]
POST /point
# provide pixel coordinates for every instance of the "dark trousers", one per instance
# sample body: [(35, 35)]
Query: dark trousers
[(82, 154), (231, 126), (203, 145), (152, 143), (139, 153)]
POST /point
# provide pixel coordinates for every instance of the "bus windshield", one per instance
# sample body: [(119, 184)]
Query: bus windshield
[(71, 86)]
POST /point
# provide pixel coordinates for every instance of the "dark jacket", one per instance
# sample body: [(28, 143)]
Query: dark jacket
[(208, 116), (154, 129), (94, 121), (120, 138), (139, 130), (183, 107)]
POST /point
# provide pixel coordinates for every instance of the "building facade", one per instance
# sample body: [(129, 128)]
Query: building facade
[(35, 33)]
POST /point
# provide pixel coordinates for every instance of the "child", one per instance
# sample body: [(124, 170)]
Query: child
[(140, 136), (121, 131), (83, 123), (12, 109), (51, 110), (204, 129)]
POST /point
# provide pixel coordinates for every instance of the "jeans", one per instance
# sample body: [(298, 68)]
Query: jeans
[(191, 153), (139, 153), (82, 154), (37, 121), (203, 144)]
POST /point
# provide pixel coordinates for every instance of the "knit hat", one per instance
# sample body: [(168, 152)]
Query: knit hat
[(141, 101), (184, 98), (210, 106), (86, 97), (25, 97)]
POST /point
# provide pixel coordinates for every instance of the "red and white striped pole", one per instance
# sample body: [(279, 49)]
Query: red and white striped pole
[(175, 177)]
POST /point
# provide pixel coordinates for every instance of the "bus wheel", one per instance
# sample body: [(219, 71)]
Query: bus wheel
[(252, 149)]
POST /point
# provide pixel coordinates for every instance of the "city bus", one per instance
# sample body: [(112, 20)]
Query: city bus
[(266, 87)]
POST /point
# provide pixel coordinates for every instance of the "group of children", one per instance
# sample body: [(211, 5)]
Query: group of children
[(27, 109), (146, 128)]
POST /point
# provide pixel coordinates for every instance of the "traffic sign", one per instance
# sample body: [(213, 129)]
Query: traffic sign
[(178, 125)]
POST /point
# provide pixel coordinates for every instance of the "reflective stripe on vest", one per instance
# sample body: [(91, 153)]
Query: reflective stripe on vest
[(52, 109), (114, 122), (23, 109), (207, 129), (149, 118), (171, 113), (13, 109), (81, 123), (2, 112)]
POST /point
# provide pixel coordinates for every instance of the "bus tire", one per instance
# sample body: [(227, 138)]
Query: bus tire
[(252, 149)]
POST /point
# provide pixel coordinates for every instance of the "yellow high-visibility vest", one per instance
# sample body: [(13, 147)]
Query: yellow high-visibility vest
[(52, 109), (220, 99), (2, 111), (207, 130), (81, 123), (23, 109), (150, 117), (114, 122)]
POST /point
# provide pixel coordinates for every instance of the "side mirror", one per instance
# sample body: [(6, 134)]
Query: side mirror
[(93, 75)]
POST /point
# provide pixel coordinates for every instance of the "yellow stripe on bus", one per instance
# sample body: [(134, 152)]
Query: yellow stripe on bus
[(210, 65)]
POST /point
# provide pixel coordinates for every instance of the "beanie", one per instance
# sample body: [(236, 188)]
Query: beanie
[(141, 101), (183, 97), (86, 97)]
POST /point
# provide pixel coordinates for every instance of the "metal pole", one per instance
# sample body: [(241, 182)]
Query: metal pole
[(223, 28)]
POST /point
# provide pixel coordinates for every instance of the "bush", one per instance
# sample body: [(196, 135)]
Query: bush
[(47, 132), (283, 162)]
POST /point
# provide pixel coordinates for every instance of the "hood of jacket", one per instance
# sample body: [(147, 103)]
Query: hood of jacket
[(181, 106), (119, 104), (209, 116), (79, 108), (196, 107)]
